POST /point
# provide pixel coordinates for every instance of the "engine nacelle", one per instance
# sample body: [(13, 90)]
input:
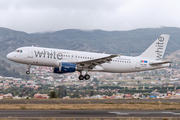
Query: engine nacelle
[(65, 68)]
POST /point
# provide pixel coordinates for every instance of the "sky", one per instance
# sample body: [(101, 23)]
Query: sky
[(51, 15)]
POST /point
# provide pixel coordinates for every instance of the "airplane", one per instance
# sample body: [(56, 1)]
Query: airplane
[(67, 61)]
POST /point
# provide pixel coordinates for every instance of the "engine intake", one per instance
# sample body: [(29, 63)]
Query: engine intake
[(65, 68)]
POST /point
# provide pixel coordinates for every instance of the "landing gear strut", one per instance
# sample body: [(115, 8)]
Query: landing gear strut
[(28, 71)]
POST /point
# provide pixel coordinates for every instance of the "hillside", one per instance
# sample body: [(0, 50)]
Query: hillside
[(131, 42), (6, 70)]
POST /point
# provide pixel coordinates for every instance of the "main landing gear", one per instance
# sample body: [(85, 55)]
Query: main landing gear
[(86, 76), (28, 71)]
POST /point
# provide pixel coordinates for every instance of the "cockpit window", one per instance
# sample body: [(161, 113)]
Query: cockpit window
[(20, 51)]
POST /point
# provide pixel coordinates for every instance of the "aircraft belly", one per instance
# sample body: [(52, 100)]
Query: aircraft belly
[(118, 68), (39, 61)]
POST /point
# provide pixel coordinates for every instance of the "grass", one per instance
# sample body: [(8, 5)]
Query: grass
[(105, 106)]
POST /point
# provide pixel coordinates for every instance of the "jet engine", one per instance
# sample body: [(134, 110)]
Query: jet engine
[(65, 68)]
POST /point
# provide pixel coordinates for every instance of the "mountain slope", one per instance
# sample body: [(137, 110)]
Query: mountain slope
[(131, 42)]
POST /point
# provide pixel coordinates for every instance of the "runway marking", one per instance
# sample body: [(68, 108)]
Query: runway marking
[(143, 113), (171, 113), (119, 113)]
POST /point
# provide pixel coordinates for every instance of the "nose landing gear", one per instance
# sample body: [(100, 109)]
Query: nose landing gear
[(28, 71)]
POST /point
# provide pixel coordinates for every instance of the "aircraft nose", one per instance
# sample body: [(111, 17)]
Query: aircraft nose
[(10, 56)]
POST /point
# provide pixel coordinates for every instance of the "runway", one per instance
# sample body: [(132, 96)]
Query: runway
[(88, 113)]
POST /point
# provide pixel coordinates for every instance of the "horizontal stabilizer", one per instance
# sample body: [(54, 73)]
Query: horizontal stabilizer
[(160, 63)]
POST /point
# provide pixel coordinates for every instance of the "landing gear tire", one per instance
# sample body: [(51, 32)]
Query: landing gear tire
[(86, 77), (81, 77), (27, 72)]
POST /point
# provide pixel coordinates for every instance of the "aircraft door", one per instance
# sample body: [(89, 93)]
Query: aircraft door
[(30, 53), (137, 64)]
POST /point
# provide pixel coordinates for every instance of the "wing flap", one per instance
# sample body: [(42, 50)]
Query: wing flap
[(94, 62), (98, 60), (98, 68)]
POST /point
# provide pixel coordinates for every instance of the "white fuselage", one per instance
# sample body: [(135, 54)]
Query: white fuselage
[(52, 57)]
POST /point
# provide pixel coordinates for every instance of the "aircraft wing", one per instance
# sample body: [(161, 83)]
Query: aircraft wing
[(92, 63), (160, 63)]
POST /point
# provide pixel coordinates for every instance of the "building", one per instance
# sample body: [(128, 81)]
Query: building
[(43, 96), (1, 96), (9, 95)]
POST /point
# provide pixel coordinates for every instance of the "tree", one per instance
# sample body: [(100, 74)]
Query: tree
[(76, 94), (91, 93), (62, 91), (124, 96), (95, 80), (53, 94), (65, 93)]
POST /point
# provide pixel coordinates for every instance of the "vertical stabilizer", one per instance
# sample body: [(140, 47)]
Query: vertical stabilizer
[(157, 49)]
